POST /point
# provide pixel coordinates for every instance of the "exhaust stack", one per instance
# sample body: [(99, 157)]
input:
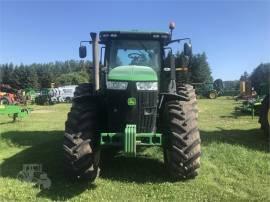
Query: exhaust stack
[(95, 51)]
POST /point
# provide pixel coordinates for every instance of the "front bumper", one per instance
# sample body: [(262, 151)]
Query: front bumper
[(130, 139)]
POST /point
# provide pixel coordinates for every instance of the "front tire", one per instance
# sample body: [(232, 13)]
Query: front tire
[(182, 144), (81, 145)]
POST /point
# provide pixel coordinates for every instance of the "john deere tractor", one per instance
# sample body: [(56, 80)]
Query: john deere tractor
[(135, 100)]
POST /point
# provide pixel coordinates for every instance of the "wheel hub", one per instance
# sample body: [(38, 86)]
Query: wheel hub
[(212, 95)]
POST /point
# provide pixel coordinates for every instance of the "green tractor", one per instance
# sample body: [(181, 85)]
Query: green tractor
[(209, 90), (135, 100)]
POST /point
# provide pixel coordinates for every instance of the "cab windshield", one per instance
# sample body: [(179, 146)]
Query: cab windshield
[(135, 52)]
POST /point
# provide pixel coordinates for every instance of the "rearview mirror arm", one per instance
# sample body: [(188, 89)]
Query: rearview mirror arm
[(81, 42), (179, 40)]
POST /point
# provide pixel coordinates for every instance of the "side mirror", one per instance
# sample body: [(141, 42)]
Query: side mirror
[(82, 51), (188, 49)]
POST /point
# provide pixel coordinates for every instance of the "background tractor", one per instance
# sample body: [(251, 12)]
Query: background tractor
[(7, 95), (135, 100), (209, 90)]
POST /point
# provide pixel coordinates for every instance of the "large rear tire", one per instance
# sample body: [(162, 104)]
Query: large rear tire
[(182, 144), (81, 145), (265, 117)]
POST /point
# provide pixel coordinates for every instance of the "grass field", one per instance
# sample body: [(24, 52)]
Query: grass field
[(235, 164)]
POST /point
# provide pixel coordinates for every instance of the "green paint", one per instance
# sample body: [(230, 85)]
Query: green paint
[(131, 101), (14, 111), (132, 73), (130, 139), (146, 139)]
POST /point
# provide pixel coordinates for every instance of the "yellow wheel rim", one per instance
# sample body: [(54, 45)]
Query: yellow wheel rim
[(212, 95)]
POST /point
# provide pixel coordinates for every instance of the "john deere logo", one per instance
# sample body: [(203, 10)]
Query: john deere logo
[(131, 101)]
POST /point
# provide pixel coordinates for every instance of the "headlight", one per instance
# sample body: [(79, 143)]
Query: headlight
[(147, 85), (117, 85)]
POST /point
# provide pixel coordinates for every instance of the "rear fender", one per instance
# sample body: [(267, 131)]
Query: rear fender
[(86, 98)]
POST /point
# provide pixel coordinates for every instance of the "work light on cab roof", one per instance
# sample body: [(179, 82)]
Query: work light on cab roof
[(171, 27)]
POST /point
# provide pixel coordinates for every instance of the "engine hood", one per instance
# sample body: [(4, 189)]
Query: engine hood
[(132, 73)]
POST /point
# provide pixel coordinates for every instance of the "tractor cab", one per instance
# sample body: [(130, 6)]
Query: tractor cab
[(142, 53), (133, 56), (134, 48)]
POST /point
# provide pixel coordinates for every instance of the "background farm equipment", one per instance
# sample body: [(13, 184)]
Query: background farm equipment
[(62, 94), (251, 106), (30, 95), (67, 92), (43, 97), (7, 98), (55, 95), (14, 111), (7, 94), (252, 102), (246, 92), (210, 90)]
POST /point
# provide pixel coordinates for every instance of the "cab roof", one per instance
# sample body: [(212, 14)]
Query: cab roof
[(106, 36)]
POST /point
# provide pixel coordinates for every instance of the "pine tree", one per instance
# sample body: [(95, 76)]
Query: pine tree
[(200, 70), (6, 73), (260, 78)]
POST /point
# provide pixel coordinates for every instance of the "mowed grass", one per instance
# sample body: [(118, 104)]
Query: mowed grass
[(235, 163)]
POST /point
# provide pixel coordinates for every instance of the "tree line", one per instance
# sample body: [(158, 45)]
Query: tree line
[(39, 75), (259, 78), (73, 72)]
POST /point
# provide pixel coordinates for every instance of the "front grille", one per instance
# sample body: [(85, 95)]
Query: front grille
[(143, 114), (117, 110), (147, 110)]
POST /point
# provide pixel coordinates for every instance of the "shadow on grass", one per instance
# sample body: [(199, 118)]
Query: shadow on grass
[(252, 139), (45, 147), (7, 123), (141, 169), (237, 113)]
